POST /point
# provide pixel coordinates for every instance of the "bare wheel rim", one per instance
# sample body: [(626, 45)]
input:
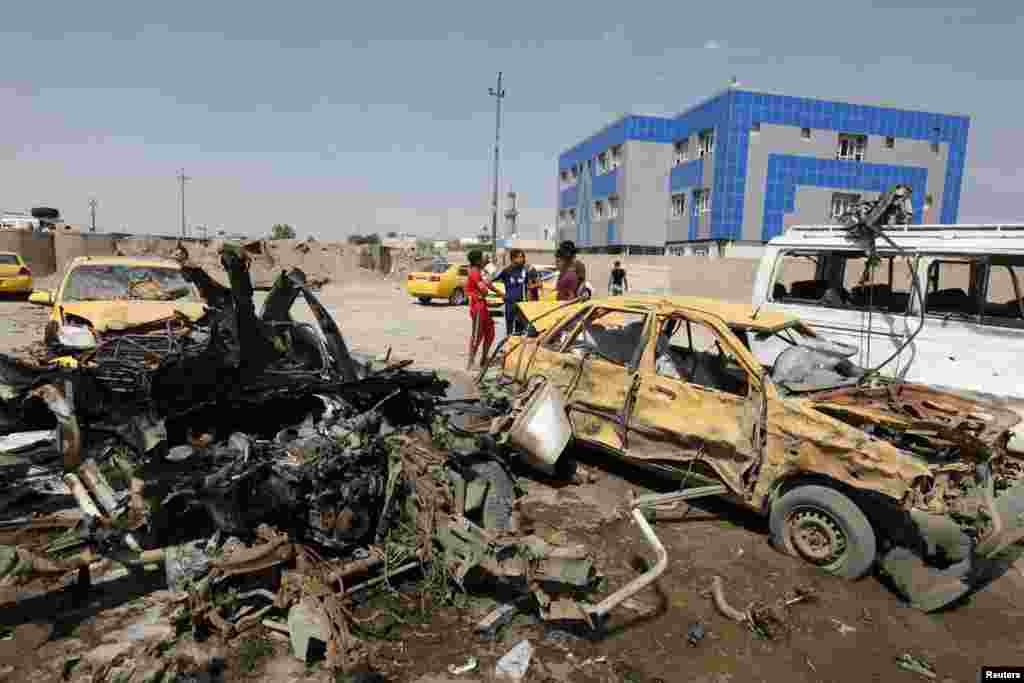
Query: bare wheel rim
[(816, 536)]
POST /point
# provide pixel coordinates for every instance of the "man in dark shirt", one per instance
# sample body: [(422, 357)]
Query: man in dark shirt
[(514, 278), (617, 281)]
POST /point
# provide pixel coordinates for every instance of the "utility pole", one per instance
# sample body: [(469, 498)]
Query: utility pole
[(182, 179), (92, 212), (498, 94)]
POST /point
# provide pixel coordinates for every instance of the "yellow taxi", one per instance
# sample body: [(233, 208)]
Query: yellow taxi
[(442, 281), (101, 295), (15, 275)]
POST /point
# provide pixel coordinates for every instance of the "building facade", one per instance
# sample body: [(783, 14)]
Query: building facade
[(744, 165)]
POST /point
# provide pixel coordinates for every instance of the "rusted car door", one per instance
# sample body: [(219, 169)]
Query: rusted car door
[(697, 398), (592, 359)]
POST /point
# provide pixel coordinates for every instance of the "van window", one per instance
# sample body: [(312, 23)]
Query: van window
[(836, 279), (1004, 305), (949, 293)]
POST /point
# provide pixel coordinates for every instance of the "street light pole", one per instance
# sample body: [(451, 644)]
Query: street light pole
[(182, 178), (498, 94), (92, 212)]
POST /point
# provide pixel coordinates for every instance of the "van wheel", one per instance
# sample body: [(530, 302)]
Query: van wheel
[(824, 528), (424, 300), (458, 297)]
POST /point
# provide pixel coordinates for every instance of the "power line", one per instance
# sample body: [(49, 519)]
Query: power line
[(182, 179), (498, 94)]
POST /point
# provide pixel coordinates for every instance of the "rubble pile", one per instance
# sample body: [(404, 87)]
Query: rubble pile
[(262, 466)]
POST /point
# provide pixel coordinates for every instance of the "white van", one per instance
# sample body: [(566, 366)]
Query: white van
[(971, 280)]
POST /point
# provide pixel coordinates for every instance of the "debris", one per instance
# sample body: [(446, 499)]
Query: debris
[(514, 664), (917, 665), (470, 665), (720, 602), (843, 628), (489, 625), (695, 633)]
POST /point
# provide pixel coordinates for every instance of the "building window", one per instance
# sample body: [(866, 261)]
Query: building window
[(935, 146), (572, 215), (701, 201), (755, 127), (706, 143), (598, 210), (602, 162), (613, 206), (851, 147), (805, 133), (682, 152), (928, 202), (616, 156), (679, 205), (562, 215), (841, 203), (890, 142)]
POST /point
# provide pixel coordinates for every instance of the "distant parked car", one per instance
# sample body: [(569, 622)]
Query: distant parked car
[(15, 275), (442, 281)]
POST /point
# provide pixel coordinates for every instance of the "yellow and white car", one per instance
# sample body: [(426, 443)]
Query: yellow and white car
[(15, 275), (107, 294), (442, 281)]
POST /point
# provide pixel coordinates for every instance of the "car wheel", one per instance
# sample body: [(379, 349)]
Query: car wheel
[(497, 505), (458, 297), (585, 294), (424, 300), (824, 528)]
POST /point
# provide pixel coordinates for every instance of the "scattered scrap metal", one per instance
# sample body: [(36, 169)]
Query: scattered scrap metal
[(243, 449)]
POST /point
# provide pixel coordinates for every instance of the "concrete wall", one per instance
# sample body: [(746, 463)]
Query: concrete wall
[(36, 249), (645, 197), (813, 203), (69, 245)]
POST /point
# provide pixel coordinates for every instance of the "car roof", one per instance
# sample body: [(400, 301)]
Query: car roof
[(738, 315), (126, 261), (8, 253)]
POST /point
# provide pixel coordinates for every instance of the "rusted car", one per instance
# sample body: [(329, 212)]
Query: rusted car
[(849, 470)]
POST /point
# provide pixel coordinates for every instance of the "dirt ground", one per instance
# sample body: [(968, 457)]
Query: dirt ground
[(851, 631)]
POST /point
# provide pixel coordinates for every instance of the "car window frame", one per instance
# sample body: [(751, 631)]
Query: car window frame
[(195, 295), (756, 382), (592, 310)]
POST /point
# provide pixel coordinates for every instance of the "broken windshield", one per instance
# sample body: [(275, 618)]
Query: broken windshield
[(128, 282)]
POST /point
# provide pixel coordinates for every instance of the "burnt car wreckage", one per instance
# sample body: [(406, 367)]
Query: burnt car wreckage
[(258, 429), (853, 471)]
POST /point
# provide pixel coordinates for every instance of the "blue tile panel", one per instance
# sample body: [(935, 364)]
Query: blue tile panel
[(600, 186), (786, 173), (686, 175), (746, 108), (644, 128), (613, 236)]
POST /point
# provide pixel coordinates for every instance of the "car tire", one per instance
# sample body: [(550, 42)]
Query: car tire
[(826, 529), (497, 506), (458, 297), (424, 300)]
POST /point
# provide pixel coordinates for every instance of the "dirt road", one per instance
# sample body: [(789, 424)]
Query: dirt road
[(851, 632)]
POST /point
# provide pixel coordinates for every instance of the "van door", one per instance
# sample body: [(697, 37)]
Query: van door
[(848, 298)]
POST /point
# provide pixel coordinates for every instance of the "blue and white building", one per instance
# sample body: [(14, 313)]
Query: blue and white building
[(742, 166)]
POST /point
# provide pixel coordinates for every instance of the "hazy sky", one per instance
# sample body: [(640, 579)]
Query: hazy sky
[(343, 117)]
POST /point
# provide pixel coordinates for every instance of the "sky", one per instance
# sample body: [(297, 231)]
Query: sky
[(340, 120)]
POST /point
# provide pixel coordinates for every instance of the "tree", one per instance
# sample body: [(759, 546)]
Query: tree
[(373, 239), (355, 238), (392, 235), (282, 231)]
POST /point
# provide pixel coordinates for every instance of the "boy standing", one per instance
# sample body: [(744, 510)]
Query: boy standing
[(514, 278), (483, 324)]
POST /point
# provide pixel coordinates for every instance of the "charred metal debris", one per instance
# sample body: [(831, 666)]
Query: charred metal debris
[(244, 447)]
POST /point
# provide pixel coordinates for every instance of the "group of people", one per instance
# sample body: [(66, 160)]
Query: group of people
[(522, 283)]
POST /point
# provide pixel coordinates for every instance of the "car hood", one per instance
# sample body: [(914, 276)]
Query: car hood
[(114, 316), (942, 415)]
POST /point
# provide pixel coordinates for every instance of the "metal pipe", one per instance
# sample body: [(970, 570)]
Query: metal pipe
[(642, 581)]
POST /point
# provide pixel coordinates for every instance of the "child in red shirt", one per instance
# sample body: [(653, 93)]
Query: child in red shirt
[(483, 324)]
